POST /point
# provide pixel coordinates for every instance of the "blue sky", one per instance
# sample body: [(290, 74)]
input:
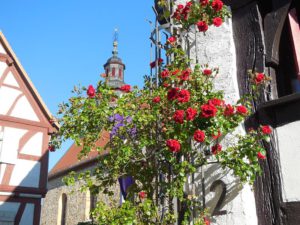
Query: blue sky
[(64, 43)]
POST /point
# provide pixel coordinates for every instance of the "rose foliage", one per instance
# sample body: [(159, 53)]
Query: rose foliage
[(159, 136)]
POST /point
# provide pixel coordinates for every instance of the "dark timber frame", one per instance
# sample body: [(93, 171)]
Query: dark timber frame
[(257, 27)]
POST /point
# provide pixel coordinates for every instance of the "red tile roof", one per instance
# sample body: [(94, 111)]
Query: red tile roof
[(69, 161)]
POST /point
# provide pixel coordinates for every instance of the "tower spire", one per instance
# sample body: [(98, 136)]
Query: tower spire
[(115, 43)]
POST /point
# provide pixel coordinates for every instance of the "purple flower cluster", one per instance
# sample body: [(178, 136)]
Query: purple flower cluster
[(121, 121)]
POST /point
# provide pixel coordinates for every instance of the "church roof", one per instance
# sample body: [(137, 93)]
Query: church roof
[(25, 77), (70, 162)]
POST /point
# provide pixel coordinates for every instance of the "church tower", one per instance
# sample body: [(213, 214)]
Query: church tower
[(114, 67)]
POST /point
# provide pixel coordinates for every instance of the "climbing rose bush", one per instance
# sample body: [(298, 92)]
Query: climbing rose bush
[(160, 136)]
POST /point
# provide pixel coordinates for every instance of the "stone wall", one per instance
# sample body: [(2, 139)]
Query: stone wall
[(78, 203)]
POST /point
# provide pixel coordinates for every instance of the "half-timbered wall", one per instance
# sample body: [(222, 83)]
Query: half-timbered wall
[(24, 137)]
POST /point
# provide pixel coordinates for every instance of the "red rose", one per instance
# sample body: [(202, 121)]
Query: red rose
[(215, 137), (259, 78), (165, 73), (242, 110), (206, 221), (125, 88), (142, 195), (91, 91), (156, 99), (261, 156), (51, 148), (204, 2), (185, 74), (183, 96), (199, 136), (191, 114), (216, 149), (159, 62), (180, 6), (229, 110), (202, 26), (216, 102), (175, 72), (217, 5), (178, 116), (207, 72), (189, 4), (266, 129), (173, 145), (217, 21), (166, 85), (208, 111), (172, 94), (171, 40)]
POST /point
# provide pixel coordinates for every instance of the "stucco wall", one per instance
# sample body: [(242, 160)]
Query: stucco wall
[(217, 49)]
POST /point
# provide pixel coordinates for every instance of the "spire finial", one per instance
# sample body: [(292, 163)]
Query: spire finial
[(115, 43)]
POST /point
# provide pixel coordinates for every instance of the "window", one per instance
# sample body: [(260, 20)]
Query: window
[(62, 210), (113, 73), (120, 73)]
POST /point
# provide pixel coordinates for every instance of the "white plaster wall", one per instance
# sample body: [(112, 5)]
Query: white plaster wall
[(217, 49), (27, 217), (7, 98), (10, 144), (26, 173), (3, 66), (10, 80), (8, 211), (24, 110), (34, 145), (289, 150)]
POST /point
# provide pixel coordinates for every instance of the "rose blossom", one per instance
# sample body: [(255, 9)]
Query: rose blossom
[(199, 136), (217, 5), (173, 145), (183, 96), (266, 129), (180, 6), (171, 40), (202, 26), (51, 148), (208, 111), (204, 2), (216, 149), (207, 72), (142, 194), (216, 102), (156, 99), (158, 61), (175, 72), (217, 21), (261, 156), (242, 110), (229, 110), (165, 73), (91, 91), (178, 116), (259, 78), (125, 88), (191, 114), (206, 221), (185, 74), (172, 94)]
